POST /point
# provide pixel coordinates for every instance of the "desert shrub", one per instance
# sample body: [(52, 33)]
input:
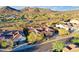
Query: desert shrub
[(10, 43), (58, 46), (22, 17), (76, 35), (36, 9), (49, 23), (33, 37), (4, 44), (75, 41), (40, 37), (63, 32)]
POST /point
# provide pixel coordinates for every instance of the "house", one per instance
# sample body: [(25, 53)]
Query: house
[(74, 21), (49, 32), (75, 24), (32, 29), (62, 26), (71, 48), (39, 29), (18, 38), (59, 26)]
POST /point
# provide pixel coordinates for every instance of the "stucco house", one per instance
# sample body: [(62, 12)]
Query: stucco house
[(74, 21), (62, 26), (18, 38)]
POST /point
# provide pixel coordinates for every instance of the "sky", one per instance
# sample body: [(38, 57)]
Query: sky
[(56, 8)]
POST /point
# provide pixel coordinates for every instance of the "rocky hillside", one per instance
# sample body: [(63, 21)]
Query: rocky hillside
[(39, 13), (8, 10)]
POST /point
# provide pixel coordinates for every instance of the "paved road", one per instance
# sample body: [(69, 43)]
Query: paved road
[(43, 47), (46, 46)]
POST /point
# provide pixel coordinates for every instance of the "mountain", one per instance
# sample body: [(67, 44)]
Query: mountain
[(39, 13), (34, 9), (8, 10)]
